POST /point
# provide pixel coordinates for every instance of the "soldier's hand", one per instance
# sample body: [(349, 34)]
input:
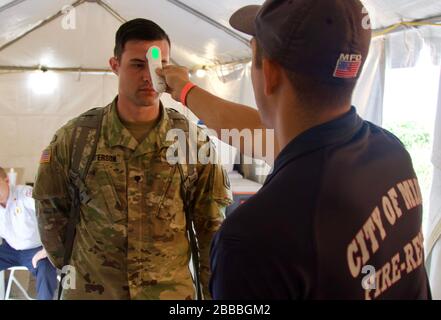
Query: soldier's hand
[(176, 78), (38, 256)]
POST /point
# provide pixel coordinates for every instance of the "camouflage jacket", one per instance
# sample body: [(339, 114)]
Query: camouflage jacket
[(131, 240)]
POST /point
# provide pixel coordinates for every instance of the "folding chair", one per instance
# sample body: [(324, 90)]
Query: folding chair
[(13, 279)]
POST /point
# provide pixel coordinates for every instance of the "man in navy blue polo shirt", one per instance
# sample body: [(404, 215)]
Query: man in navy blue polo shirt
[(340, 215)]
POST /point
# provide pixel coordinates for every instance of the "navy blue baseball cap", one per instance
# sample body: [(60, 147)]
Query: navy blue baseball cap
[(325, 39)]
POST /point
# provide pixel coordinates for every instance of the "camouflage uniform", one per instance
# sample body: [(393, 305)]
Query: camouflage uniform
[(131, 240)]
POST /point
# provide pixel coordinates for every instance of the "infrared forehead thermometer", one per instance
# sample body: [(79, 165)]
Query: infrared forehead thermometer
[(154, 59)]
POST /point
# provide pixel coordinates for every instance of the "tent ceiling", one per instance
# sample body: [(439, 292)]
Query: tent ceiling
[(199, 29), (24, 15), (89, 45)]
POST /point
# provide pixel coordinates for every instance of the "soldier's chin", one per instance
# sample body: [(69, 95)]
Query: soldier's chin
[(144, 101)]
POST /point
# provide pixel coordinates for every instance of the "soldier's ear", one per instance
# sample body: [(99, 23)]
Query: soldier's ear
[(114, 64)]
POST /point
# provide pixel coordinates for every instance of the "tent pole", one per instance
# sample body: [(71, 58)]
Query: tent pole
[(110, 10), (405, 25), (44, 68)]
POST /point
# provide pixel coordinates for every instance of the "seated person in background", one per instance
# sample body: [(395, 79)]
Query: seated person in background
[(21, 244)]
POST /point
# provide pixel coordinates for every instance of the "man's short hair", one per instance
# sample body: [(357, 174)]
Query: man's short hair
[(3, 174), (137, 29), (311, 91)]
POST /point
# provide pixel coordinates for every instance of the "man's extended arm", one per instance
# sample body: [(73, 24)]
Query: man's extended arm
[(216, 112)]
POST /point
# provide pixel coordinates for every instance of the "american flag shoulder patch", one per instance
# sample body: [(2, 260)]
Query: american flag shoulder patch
[(348, 66), (46, 156)]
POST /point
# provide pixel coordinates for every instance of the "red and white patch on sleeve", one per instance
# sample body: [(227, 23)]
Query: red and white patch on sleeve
[(45, 156)]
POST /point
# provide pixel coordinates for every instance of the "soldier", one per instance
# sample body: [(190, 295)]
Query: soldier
[(21, 244), (131, 238)]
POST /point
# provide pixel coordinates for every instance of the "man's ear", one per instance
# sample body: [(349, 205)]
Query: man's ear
[(271, 74), (114, 64)]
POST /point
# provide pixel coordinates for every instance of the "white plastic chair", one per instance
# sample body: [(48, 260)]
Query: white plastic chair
[(13, 279)]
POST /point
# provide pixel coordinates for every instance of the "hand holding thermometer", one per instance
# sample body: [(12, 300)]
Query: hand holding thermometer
[(154, 59)]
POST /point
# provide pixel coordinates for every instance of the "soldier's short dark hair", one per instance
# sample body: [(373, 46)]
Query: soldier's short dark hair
[(3, 173), (137, 29)]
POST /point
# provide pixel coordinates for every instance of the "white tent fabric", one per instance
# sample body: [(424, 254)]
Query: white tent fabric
[(369, 93), (433, 242), (404, 47), (433, 266), (87, 39), (89, 45), (29, 120)]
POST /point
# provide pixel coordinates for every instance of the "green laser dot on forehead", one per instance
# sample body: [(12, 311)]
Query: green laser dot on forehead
[(155, 53)]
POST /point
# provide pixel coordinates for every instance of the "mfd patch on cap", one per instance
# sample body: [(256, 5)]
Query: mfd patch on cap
[(45, 156), (348, 66)]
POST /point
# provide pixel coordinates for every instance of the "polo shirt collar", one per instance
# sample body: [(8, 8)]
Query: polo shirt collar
[(332, 132)]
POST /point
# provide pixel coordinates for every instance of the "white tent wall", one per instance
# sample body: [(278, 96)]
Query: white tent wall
[(29, 120), (433, 235), (369, 92)]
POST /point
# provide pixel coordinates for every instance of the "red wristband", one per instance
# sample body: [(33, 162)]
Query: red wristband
[(185, 91)]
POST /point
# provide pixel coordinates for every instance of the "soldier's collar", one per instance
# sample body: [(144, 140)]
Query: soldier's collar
[(162, 128), (118, 135)]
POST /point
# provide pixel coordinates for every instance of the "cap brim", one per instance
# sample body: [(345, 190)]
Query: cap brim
[(243, 19)]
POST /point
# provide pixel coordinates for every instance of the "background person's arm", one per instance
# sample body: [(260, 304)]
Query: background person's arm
[(216, 112)]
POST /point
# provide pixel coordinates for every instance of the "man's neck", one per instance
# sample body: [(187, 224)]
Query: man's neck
[(129, 112), (291, 121)]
